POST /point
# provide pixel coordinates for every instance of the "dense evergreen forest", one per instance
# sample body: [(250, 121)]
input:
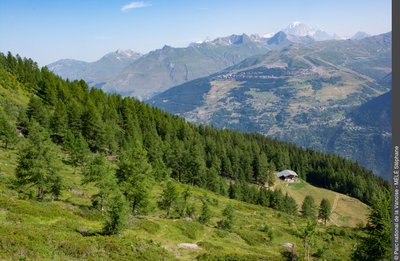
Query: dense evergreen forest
[(156, 144)]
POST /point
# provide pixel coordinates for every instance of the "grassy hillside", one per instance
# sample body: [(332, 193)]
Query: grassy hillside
[(346, 211), (70, 228)]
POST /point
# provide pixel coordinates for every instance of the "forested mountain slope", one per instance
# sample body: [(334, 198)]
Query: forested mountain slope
[(111, 124)]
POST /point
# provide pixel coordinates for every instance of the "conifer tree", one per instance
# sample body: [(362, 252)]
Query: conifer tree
[(116, 213), (212, 180), (135, 177), (74, 112), (23, 122), (228, 218), (100, 172), (276, 199), (93, 128), (77, 148), (377, 244), (261, 168), (59, 122), (38, 164), (308, 208), (37, 111), (289, 205), (232, 191), (205, 215), (169, 197), (324, 212), (263, 198), (8, 133), (195, 164), (308, 235), (160, 170), (183, 206)]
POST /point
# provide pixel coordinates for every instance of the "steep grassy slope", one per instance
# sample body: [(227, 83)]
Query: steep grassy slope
[(69, 228), (346, 211)]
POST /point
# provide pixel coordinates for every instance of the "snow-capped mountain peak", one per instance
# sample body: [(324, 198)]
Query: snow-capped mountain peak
[(295, 24), (122, 54), (302, 29), (268, 35), (299, 29), (125, 53)]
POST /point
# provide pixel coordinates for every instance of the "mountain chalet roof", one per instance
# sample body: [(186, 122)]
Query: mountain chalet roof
[(286, 173)]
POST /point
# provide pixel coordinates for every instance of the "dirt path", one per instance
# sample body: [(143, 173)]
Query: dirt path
[(334, 215), (335, 201)]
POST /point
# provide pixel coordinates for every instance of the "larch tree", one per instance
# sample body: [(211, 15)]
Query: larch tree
[(169, 197), (308, 208), (109, 198), (377, 244), (228, 218), (8, 133), (135, 177), (38, 164), (308, 235), (325, 209), (100, 172), (205, 215)]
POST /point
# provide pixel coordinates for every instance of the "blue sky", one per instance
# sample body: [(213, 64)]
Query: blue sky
[(48, 30)]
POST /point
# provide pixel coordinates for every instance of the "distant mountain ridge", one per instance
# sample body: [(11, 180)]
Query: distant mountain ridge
[(94, 72), (143, 76), (360, 35), (282, 39), (166, 67)]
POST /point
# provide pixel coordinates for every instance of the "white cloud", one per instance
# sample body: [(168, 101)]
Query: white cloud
[(134, 5)]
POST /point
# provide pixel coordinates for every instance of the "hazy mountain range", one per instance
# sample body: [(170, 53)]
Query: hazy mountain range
[(95, 72), (130, 73), (314, 95)]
